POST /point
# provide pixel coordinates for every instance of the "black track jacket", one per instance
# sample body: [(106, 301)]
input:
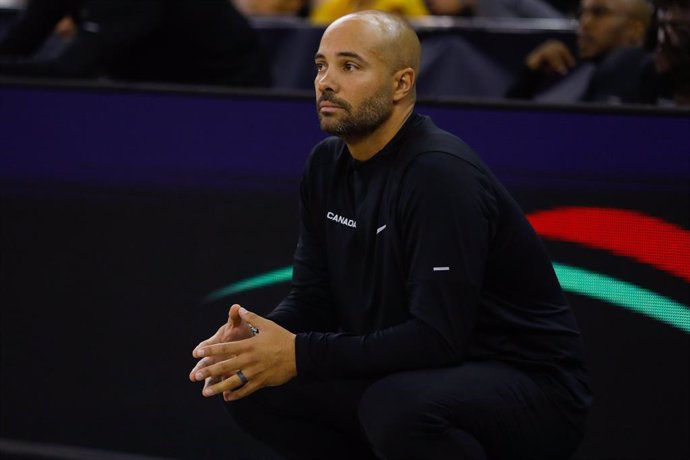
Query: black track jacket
[(420, 258)]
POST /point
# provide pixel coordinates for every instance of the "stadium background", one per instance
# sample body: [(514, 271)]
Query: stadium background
[(129, 212)]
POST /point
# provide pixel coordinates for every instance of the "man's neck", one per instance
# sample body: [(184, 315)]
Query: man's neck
[(364, 148)]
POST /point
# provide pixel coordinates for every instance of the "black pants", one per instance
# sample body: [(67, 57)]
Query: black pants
[(485, 410)]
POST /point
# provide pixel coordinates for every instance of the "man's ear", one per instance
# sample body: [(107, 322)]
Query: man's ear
[(403, 83)]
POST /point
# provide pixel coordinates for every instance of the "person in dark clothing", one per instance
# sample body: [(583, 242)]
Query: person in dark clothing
[(672, 56), (425, 319), (178, 41), (611, 57)]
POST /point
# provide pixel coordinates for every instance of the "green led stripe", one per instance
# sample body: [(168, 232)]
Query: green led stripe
[(624, 295), (266, 279), (577, 280)]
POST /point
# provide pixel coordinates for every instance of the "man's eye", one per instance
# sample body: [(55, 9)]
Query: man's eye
[(349, 66), (319, 66)]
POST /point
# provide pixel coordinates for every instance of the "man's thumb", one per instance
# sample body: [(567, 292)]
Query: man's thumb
[(233, 315), (252, 318)]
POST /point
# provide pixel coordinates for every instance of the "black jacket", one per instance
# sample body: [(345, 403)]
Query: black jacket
[(420, 258)]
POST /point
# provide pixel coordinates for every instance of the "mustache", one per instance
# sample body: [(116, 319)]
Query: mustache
[(329, 97)]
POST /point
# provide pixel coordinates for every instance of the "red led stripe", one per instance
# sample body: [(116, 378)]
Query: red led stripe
[(628, 233)]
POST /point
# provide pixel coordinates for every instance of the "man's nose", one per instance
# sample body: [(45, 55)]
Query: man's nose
[(325, 82)]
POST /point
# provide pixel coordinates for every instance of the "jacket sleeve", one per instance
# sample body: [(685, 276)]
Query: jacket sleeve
[(447, 210)]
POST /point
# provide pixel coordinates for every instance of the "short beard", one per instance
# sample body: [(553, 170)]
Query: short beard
[(372, 114)]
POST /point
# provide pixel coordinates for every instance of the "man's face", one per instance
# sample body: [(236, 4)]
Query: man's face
[(354, 94), (673, 38), (604, 25)]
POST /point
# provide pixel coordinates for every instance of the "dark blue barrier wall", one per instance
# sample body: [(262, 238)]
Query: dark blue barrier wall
[(123, 208)]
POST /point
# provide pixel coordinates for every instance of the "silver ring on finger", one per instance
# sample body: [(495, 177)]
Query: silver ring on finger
[(243, 378)]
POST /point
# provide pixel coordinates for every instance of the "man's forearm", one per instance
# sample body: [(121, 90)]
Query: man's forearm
[(411, 345)]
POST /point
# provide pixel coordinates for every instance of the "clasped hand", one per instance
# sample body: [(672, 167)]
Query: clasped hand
[(552, 56), (264, 359)]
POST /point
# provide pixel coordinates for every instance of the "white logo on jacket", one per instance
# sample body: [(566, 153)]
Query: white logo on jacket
[(341, 220)]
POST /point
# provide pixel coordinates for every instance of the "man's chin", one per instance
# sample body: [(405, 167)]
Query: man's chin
[(329, 125)]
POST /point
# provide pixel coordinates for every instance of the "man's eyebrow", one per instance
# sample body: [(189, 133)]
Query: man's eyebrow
[(350, 54)]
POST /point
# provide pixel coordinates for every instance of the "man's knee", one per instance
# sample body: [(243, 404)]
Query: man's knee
[(408, 416), (393, 417)]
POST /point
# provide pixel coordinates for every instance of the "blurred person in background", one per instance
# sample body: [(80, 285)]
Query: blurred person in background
[(451, 7), (173, 41), (672, 55), (272, 7), (327, 11), (495, 8), (610, 57)]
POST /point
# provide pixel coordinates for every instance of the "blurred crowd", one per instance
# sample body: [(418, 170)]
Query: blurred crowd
[(326, 11), (627, 51)]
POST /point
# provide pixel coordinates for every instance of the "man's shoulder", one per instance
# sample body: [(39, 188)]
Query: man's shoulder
[(324, 155), (625, 75), (433, 155), (326, 150), (431, 144), (329, 144)]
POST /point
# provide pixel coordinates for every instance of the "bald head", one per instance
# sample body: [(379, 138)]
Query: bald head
[(606, 25), (390, 37), (639, 10), (366, 70)]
